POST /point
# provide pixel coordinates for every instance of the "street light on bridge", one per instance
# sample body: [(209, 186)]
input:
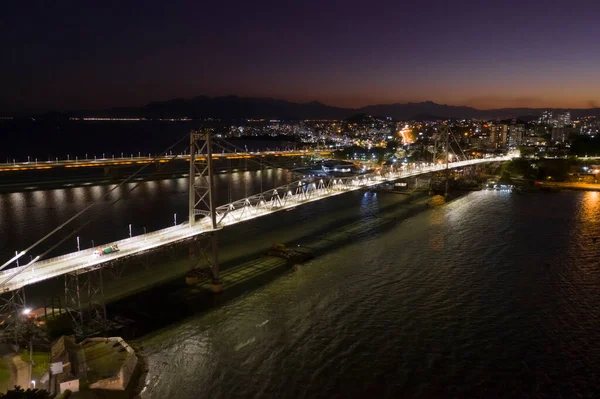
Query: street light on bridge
[(129, 230)]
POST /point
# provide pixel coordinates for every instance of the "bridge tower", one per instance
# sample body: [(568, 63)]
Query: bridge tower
[(202, 200), (443, 149)]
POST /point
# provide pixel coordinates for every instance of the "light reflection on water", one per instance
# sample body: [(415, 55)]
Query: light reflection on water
[(490, 295), (27, 216)]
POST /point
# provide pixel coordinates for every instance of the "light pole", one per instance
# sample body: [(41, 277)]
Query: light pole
[(17, 254), (129, 230), (31, 358), (92, 243), (174, 219), (78, 248)]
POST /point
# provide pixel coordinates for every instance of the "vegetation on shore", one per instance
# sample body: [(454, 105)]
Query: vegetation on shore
[(558, 170)]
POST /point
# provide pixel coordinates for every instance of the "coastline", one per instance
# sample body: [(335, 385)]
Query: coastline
[(320, 241), (569, 186)]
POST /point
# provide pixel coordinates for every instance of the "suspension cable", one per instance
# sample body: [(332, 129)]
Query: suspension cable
[(234, 147), (229, 180), (93, 204), (71, 234)]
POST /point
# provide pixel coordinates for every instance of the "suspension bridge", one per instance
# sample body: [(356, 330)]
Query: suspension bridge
[(205, 218)]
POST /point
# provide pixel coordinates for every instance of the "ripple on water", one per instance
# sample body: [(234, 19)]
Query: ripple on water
[(492, 295)]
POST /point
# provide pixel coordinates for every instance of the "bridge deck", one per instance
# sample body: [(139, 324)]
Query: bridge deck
[(262, 204)]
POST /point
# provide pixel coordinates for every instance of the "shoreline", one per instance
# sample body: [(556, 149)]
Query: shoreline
[(196, 300), (569, 186)]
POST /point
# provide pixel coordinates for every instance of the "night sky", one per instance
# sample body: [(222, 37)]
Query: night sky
[(65, 55)]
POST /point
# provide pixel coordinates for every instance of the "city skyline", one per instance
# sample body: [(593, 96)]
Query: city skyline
[(72, 56)]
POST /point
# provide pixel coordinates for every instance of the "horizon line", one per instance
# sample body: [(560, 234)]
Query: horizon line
[(112, 108)]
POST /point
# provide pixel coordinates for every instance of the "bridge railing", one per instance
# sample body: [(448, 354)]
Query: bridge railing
[(90, 251)]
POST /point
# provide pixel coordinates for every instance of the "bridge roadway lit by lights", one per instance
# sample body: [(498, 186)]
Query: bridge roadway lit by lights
[(281, 198), (114, 161)]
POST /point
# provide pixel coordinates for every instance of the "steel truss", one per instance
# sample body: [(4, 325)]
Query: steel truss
[(290, 195), (13, 316), (84, 301)]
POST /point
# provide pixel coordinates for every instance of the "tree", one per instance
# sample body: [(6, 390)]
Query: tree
[(583, 146), (518, 167), (20, 393), (505, 177)]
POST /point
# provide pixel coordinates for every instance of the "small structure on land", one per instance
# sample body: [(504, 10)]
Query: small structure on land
[(100, 363)]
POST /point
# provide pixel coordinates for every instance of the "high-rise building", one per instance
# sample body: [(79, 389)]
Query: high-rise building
[(515, 135), (546, 117), (498, 136), (589, 126), (563, 119), (559, 134)]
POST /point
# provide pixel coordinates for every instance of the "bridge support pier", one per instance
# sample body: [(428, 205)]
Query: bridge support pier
[(205, 248), (13, 317), (216, 284), (84, 301)]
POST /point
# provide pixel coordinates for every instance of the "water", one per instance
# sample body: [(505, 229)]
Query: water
[(492, 295), (25, 217), (49, 138)]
